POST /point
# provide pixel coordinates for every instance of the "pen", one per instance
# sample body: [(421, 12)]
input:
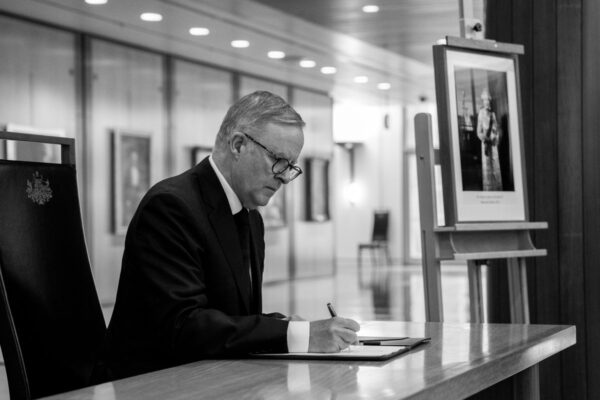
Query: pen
[(331, 310)]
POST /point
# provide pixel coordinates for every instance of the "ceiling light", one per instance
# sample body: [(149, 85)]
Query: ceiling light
[(361, 79), (151, 17), (240, 44), (276, 54), (96, 1), (384, 86), (306, 63), (328, 70), (370, 8), (199, 31)]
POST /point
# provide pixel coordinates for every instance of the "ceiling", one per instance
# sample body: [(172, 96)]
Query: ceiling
[(406, 27), (391, 48)]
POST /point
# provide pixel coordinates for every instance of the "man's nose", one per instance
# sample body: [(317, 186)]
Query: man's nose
[(283, 178)]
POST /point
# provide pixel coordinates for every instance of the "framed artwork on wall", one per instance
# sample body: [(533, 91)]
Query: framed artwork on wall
[(130, 174), (317, 189), (199, 153), (481, 143)]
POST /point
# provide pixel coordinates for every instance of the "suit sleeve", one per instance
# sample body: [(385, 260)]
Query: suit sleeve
[(168, 263)]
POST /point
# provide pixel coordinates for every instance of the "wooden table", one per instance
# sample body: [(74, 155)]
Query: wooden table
[(462, 359)]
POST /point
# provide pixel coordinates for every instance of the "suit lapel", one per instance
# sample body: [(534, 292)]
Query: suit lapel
[(255, 234), (223, 224)]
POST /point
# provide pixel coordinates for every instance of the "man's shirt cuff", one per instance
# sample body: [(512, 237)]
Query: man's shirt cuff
[(298, 333)]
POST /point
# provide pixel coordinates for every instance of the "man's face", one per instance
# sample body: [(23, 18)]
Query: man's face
[(253, 179)]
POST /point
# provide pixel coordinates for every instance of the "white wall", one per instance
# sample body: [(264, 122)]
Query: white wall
[(378, 171)]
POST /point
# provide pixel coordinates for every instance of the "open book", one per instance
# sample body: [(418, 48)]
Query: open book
[(372, 348), (374, 353)]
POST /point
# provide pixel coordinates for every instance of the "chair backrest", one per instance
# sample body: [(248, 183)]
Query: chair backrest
[(380, 226), (51, 323)]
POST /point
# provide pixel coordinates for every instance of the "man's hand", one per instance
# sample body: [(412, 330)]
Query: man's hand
[(332, 335)]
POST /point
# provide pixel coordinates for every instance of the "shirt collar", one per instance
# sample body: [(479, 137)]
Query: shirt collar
[(234, 202)]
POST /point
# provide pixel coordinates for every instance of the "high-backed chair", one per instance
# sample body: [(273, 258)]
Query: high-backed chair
[(51, 323), (378, 243)]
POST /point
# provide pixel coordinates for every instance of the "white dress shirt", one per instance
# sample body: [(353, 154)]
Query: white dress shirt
[(298, 332)]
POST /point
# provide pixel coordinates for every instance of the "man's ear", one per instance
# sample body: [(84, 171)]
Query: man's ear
[(236, 144)]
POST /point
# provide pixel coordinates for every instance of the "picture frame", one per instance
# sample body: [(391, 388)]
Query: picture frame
[(480, 128), (274, 213), (198, 153), (130, 174), (317, 189)]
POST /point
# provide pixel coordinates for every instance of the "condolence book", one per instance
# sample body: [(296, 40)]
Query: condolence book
[(371, 349), (367, 353)]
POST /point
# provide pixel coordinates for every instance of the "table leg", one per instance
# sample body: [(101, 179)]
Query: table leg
[(526, 384), (475, 295)]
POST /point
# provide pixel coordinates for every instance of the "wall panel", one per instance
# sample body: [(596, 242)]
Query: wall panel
[(201, 97), (570, 196), (126, 92), (313, 241)]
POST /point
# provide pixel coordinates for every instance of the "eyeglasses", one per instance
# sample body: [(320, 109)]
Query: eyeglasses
[(282, 167)]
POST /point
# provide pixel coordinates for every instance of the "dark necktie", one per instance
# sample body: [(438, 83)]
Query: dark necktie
[(243, 227)]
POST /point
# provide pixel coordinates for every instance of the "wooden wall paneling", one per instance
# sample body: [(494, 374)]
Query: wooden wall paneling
[(313, 241), (277, 240), (591, 188), (545, 200), (570, 195), (201, 97), (126, 93), (522, 15)]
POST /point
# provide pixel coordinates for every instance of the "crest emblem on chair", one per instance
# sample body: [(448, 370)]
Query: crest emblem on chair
[(39, 190)]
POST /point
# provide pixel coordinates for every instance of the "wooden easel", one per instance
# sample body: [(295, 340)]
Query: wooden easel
[(474, 243)]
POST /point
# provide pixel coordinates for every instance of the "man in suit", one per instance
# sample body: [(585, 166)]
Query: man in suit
[(190, 284)]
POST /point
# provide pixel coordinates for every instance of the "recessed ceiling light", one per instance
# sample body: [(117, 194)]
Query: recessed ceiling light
[(276, 54), (306, 63), (199, 31), (361, 79), (96, 1), (151, 17), (384, 86), (370, 8), (328, 70), (240, 44)]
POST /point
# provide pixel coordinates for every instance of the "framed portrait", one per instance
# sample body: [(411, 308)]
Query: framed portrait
[(31, 151), (130, 175), (199, 153), (274, 212), (481, 143), (317, 189)]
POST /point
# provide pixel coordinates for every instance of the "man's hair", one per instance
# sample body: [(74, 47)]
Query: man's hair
[(254, 111)]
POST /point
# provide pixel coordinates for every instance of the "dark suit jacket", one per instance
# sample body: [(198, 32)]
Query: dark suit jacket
[(184, 292)]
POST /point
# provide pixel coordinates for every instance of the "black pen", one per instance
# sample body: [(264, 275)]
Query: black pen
[(331, 310)]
